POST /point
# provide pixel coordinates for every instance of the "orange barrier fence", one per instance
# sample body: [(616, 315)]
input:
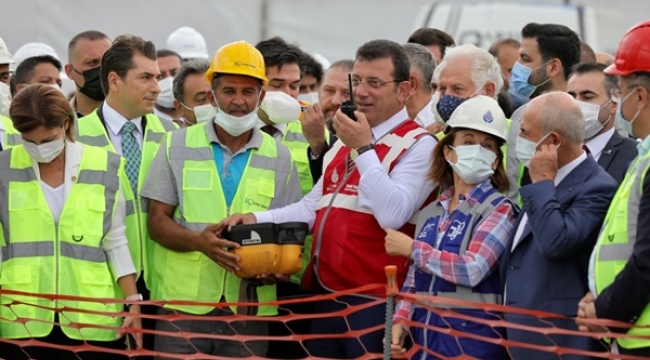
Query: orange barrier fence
[(546, 327)]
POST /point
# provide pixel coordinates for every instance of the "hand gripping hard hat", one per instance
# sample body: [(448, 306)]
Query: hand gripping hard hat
[(5, 55), (34, 49), (481, 113), (633, 52), (238, 58), (188, 43)]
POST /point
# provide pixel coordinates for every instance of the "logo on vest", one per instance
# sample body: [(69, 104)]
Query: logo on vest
[(487, 117), (457, 228), (255, 239), (251, 202), (424, 233), (335, 176)]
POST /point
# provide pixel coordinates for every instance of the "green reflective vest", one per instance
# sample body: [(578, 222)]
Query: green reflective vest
[(12, 136), (616, 242), (68, 259), (192, 276), (90, 130)]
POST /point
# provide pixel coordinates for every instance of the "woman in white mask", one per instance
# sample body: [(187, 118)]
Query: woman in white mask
[(460, 236), (62, 213)]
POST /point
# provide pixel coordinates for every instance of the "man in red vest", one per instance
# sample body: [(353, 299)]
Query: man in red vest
[(375, 178)]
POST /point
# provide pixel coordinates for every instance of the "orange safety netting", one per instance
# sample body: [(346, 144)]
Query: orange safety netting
[(495, 320)]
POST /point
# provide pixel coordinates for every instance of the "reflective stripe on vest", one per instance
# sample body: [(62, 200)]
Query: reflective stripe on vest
[(616, 242), (12, 136), (337, 262), (183, 276), (91, 131), (466, 217), (67, 259)]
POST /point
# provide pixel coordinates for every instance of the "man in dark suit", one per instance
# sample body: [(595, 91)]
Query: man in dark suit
[(333, 92), (592, 88), (545, 268)]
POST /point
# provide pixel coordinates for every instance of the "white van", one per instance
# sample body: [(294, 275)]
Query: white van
[(483, 23)]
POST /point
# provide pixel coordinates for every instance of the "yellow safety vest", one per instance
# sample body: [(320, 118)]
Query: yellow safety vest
[(90, 130), (192, 276), (616, 242), (12, 136), (68, 259)]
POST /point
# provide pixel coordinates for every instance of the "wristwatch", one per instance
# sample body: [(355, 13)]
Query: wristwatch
[(356, 152), (133, 298)]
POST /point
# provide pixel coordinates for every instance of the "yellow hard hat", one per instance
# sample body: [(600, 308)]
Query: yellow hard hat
[(238, 58)]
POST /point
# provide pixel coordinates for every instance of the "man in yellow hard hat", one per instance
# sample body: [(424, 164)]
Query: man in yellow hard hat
[(200, 175)]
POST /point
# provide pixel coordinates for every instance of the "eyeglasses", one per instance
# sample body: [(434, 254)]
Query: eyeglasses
[(372, 83)]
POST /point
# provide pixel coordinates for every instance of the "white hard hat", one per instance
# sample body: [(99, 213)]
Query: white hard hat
[(322, 60), (481, 113), (5, 55), (34, 49), (188, 43)]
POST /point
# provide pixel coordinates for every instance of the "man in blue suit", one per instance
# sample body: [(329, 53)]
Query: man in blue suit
[(545, 268)]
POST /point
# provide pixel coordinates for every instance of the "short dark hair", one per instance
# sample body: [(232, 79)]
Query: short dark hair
[(381, 49), (587, 54), (277, 52), (119, 58), (555, 41), (422, 61), (25, 71), (494, 49), (430, 37), (610, 82), (309, 66), (92, 35), (190, 67), (165, 53)]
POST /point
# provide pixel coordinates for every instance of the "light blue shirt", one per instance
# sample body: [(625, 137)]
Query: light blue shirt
[(230, 174)]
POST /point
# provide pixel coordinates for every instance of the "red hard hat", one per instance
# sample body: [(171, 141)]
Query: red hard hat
[(633, 52)]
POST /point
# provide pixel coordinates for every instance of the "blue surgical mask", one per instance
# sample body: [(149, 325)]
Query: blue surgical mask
[(473, 163), (626, 125), (448, 104), (520, 88)]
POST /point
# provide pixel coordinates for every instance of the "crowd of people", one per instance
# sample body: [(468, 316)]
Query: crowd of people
[(512, 176)]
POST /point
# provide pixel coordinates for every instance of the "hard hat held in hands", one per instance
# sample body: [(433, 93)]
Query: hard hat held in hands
[(238, 58), (481, 113)]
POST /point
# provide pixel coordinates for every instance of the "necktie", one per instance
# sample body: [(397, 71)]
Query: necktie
[(132, 153), (269, 129)]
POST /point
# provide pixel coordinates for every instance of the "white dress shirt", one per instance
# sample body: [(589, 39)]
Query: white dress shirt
[(115, 243), (393, 198), (425, 117), (598, 143), (115, 122), (561, 174)]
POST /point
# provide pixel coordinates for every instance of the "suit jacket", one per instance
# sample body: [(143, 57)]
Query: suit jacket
[(617, 156), (316, 165), (547, 270)]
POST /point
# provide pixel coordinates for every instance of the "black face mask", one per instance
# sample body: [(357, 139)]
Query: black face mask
[(92, 85)]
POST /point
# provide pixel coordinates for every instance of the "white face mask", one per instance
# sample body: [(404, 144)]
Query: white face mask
[(591, 112), (280, 107), (204, 113), (45, 153), (526, 149), (473, 163), (165, 96), (5, 99), (311, 98), (234, 125)]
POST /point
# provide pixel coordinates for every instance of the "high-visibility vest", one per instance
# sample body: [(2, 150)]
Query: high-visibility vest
[(616, 242), (90, 130), (192, 276), (297, 143), (40, 257), (12, 136), (348, 249)]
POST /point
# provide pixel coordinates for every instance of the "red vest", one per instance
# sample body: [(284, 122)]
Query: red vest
[(348, 247)]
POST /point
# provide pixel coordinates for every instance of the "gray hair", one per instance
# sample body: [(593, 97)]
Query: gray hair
[(485, 67), (191, 67), (423, 62), (562, 116)]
